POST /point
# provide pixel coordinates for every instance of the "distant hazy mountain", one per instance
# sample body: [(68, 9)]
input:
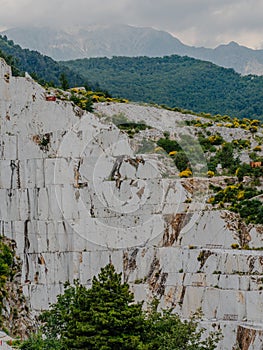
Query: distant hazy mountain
[(96, 41), (240, 58), (124, 40)]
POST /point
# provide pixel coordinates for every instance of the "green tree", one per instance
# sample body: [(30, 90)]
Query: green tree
[(11, 61), (167, 331), (105, 317), (181, 161), (168, 145), (7, 270), (102, 317), (38, 342), (64, 81), (242, 170)]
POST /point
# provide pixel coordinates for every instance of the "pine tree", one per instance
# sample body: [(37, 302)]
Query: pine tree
[(64, 81), (103, 317)]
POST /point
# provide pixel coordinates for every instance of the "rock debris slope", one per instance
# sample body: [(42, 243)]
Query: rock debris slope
[(76, 193)]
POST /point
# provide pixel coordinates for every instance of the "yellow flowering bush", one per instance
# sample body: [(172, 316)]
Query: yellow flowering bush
[(255, 122), (186, 173), (210, 173), (253, 128), (173, 153), (211, 200), (240, 195), (257, 148)]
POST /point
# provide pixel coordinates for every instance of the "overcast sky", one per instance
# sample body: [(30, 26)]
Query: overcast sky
[(195, 22)]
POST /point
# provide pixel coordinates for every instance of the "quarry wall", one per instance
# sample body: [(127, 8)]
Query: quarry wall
[(75, 196)]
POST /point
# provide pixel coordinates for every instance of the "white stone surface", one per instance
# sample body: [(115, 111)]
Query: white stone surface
[(85, 199)]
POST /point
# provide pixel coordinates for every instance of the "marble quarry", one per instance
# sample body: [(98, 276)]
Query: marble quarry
[(77, 193)]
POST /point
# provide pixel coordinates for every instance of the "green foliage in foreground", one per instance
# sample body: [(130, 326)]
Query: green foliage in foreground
[(105, 317), (176, 81), (7, 270)]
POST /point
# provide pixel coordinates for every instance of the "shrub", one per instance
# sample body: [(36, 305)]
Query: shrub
[(186, 173), (210, 173)]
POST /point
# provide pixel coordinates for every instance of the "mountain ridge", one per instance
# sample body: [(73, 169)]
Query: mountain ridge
[(174, 81), (126, 40)]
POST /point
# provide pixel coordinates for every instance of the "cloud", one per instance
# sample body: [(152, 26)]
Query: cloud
[(58, 12), (197, 22)]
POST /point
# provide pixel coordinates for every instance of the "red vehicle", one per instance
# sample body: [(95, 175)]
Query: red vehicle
[(51, 98)]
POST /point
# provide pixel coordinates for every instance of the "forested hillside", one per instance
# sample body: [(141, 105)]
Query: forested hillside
[(42, 68), (173, 81), (108, 40), (177, 82)]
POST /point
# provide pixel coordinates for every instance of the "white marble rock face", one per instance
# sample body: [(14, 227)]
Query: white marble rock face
[(75, 196)]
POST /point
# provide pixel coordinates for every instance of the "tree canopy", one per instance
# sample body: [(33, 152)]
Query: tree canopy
[(106, 317), (176, 81), (42, 68)]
